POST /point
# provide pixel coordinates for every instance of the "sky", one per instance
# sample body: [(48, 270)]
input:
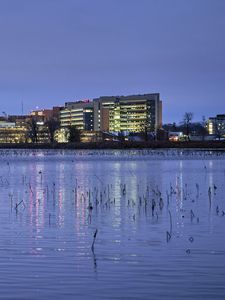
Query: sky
[(54, 51)]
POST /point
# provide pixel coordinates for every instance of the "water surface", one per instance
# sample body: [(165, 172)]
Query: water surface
[(160, 219)]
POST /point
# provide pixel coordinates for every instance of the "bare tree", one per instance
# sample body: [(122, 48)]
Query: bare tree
[(145, 129), (74, 134), (33, 130), (52, 126), (203, 129), (218, 130), (188, 116)]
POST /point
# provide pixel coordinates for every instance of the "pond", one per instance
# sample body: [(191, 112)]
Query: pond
[(112, 224)]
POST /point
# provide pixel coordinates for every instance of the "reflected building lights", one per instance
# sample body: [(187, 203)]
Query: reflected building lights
[(61, 192)]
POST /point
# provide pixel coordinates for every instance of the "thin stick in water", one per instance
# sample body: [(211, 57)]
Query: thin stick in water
[(94, 238)]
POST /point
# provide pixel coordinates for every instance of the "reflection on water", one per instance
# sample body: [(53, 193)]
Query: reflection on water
[(50, 209)]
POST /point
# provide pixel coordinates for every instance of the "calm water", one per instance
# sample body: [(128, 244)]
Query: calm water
[(160, 220)]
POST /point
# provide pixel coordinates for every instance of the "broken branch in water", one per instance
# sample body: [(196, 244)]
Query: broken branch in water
[(94, 238)]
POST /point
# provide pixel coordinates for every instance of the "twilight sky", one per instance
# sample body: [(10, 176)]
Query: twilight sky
[(53, 51)]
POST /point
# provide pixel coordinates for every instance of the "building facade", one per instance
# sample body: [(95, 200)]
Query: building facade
[(10, 132), (216, 125), (79, 114), (135, 113), (44, 115)]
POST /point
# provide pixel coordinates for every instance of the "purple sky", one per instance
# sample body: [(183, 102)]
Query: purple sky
[(53, 51)]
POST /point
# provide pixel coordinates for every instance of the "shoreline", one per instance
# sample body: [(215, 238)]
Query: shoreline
[(201, 145)]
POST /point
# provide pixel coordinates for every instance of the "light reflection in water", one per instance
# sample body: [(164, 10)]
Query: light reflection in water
[(60, 192), (55, 254)]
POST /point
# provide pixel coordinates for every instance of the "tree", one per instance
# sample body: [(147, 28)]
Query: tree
[(145, 129), (174, 127), (33, 130), (188, 116), (74, 134), (218, 130), (203, 129), (52, 126)]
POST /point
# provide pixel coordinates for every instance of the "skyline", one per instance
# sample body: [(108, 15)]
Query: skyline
[(53, 52)]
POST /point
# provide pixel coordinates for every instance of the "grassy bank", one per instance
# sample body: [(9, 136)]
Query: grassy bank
[(121, 145)]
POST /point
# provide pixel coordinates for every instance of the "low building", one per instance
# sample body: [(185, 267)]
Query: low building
[(216, 125), (45, 115), (91, 136), (7, 124), (12, 133)]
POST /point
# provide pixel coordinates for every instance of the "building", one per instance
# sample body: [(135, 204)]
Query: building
[(7, 124), (216, 125), (135, 113), (109, 115), (20, 120), (43, 124), (79, 114), (44, 115), (10, 132)]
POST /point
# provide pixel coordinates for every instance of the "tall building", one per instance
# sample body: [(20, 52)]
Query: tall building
[(79, 114), (135, 113)]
